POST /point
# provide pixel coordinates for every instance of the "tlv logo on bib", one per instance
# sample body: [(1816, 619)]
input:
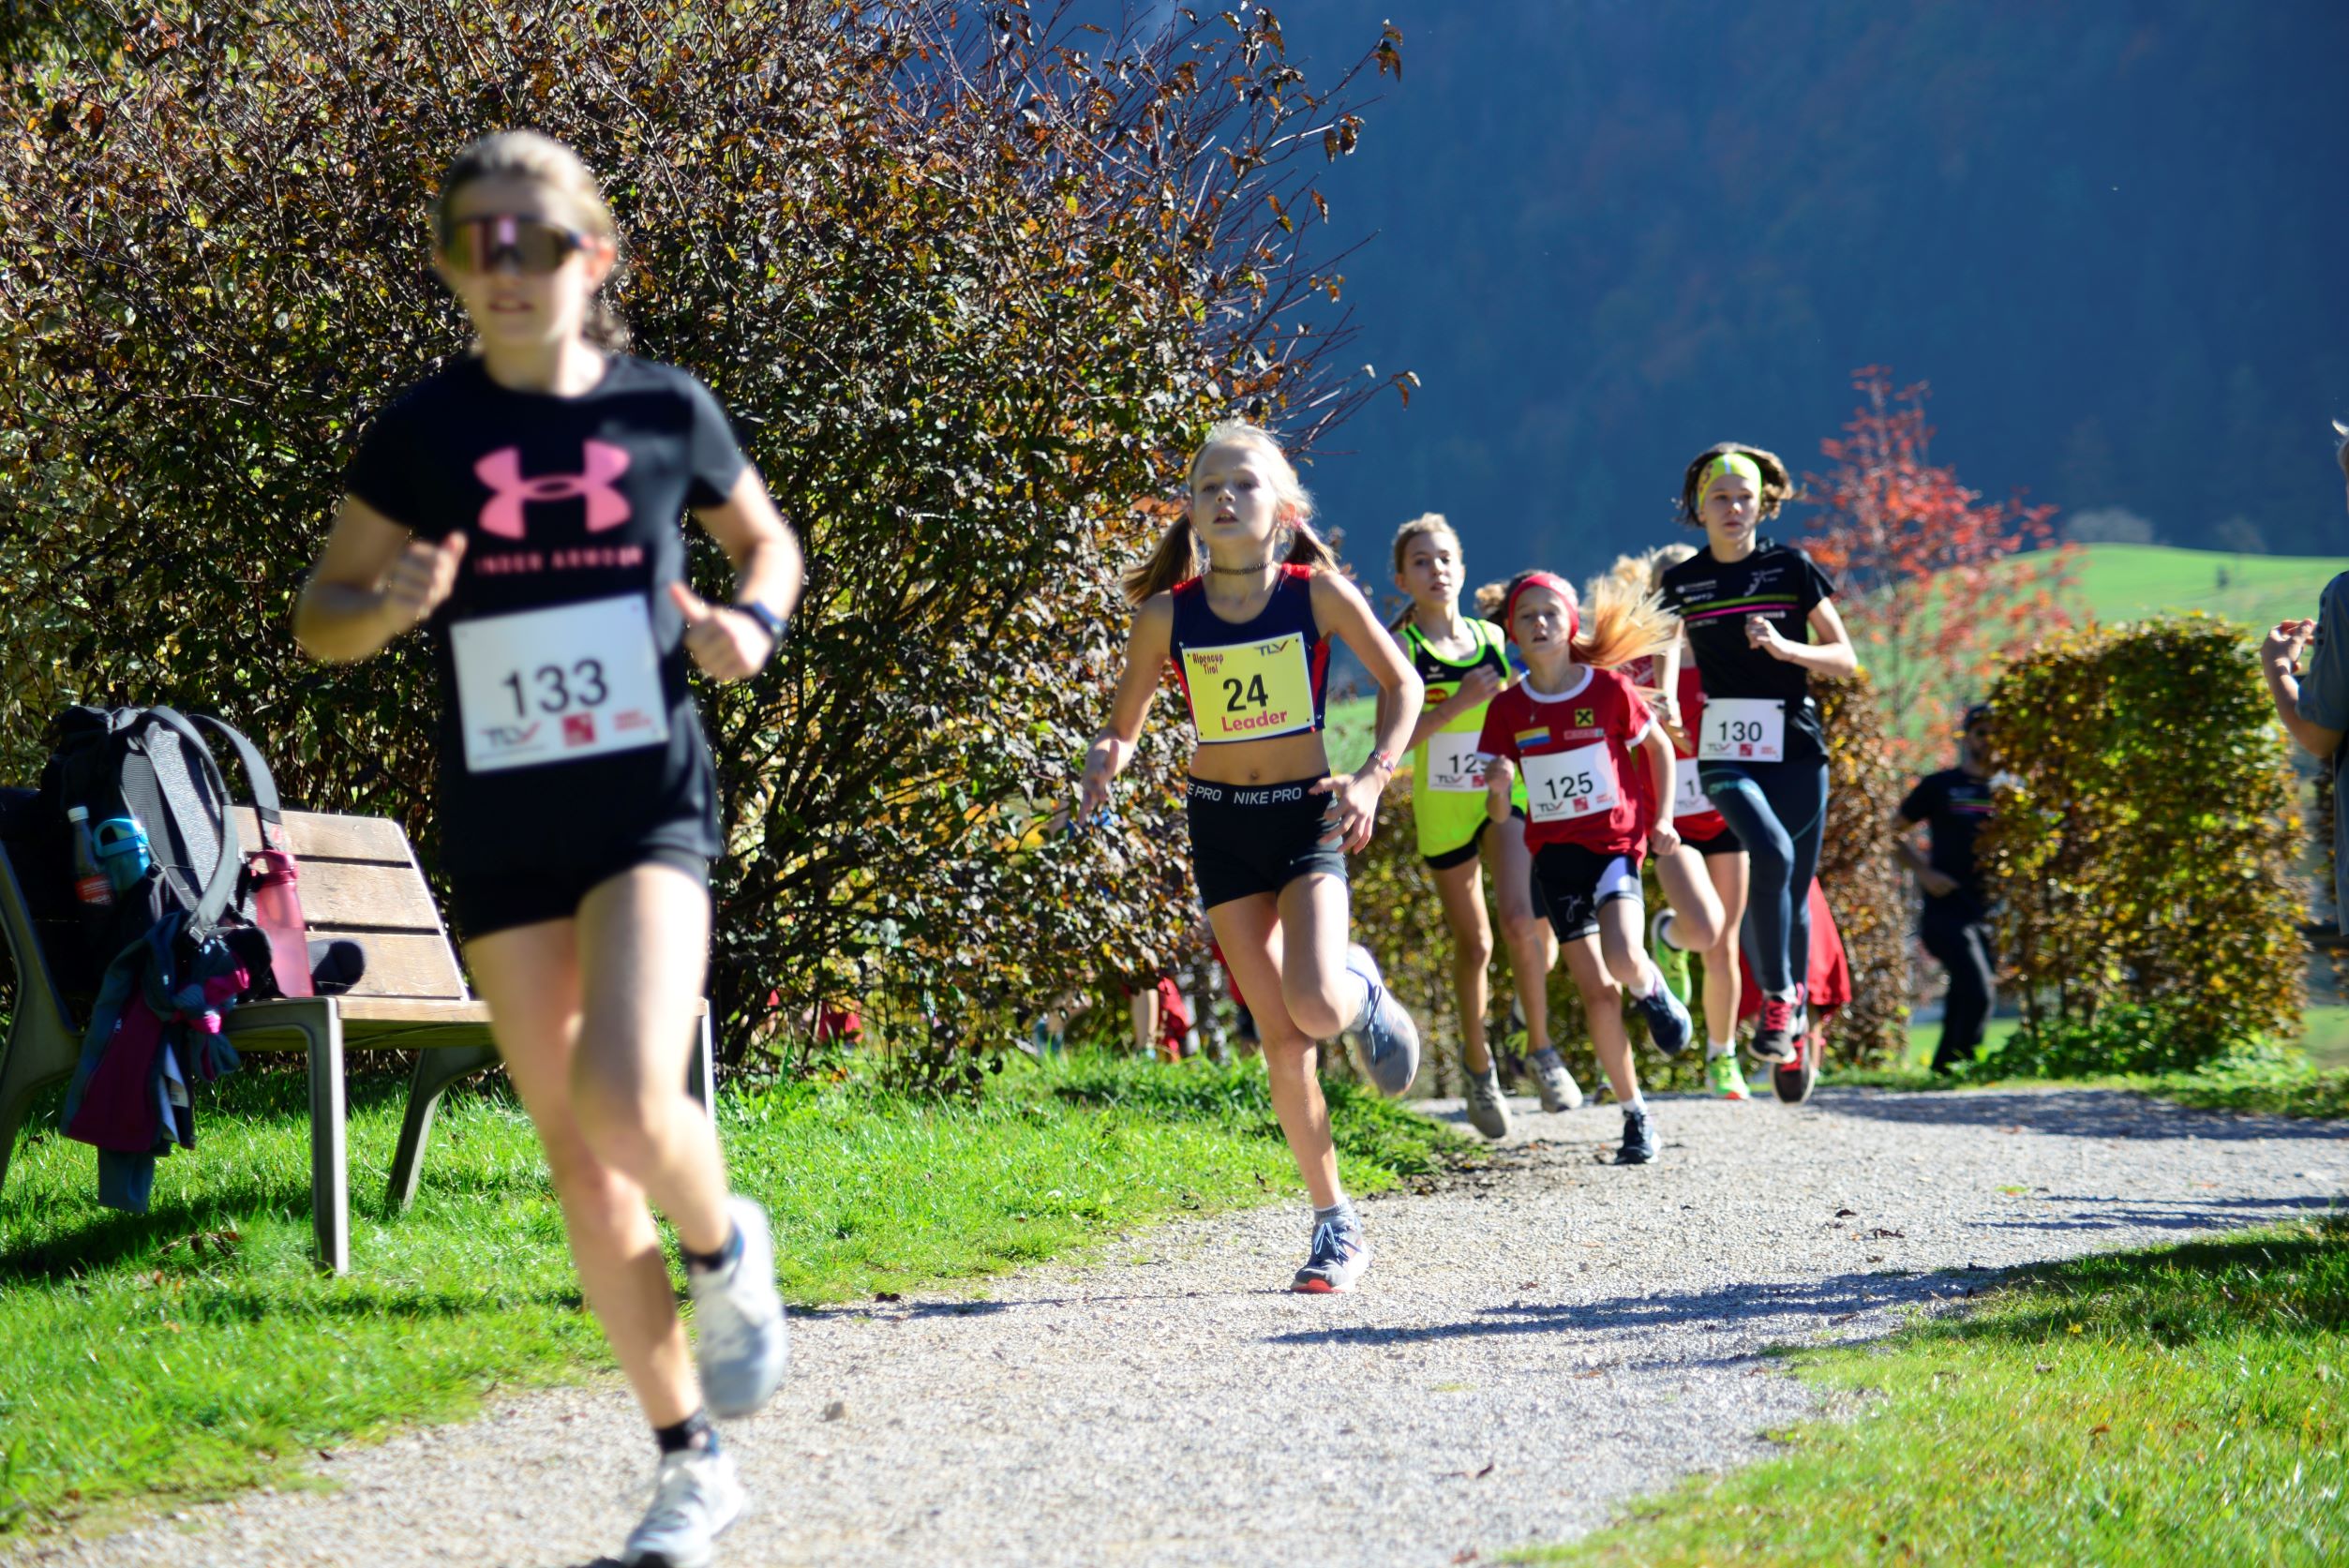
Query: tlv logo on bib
[(600, 463)]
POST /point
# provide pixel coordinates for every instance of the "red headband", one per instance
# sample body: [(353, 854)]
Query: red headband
[(1556, 585)]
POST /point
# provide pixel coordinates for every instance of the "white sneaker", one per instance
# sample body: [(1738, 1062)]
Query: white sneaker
[(696, 1498), (1487, 1113), (1559, 1091), (741, 1341), (1340, 1255)]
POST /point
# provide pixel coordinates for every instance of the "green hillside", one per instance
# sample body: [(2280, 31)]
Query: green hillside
[(2123, 582)]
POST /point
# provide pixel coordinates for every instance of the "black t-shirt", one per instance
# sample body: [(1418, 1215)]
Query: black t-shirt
[(1714, 599), (563, 500), (1955, 804)]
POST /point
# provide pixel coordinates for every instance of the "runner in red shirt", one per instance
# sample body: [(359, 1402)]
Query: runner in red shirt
[(1573, 727)]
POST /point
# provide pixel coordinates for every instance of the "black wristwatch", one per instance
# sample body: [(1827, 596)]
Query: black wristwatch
[(769, 620)]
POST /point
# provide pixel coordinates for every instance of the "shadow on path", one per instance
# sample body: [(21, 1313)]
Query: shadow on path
[(2070, 1113)]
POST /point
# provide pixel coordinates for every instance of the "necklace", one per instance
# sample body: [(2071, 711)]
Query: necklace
[(1238, 571)]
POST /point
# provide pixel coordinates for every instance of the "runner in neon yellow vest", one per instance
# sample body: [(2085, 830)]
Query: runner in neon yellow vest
[(1464, 663)]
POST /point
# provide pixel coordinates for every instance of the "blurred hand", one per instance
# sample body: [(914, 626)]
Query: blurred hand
[(421, 580), (724, 642)]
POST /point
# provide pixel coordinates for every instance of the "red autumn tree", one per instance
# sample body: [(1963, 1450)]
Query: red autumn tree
[(1937, 587)]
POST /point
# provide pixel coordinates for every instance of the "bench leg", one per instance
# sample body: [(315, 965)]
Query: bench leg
[(22, 1079), (435, 1071), (330, 1169), (701, 1072)]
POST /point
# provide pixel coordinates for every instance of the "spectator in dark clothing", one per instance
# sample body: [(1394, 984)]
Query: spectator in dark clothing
[(2314, 706), (1953, 804)]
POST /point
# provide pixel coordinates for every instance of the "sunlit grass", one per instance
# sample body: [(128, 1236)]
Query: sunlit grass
[(2174, 1406), (196, 1350)]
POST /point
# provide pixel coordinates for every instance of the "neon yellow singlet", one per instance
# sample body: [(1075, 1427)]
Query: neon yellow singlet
[(1447, 773)]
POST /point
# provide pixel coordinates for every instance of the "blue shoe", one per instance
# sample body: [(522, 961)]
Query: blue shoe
[(1384, 1042), (1340, 1255), (1667, 1021)]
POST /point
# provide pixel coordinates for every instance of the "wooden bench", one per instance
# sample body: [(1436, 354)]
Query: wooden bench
[(360, 880)]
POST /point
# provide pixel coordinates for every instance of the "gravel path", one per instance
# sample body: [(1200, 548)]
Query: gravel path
[(1536, 1343)]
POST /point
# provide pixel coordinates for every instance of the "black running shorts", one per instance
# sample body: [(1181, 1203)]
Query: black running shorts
[(1249, 838), (483, 903), (1575, 881), (1726, 842)]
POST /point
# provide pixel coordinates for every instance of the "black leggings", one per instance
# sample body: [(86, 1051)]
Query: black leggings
[(1960, 937), (1778, 811)]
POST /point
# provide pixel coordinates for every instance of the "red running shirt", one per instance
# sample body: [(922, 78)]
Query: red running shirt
[(1704, 823), (1575, 749)]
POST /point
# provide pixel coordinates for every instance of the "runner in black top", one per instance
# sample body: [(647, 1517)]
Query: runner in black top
[(1761, 620), (1955, 804), (524, 503)]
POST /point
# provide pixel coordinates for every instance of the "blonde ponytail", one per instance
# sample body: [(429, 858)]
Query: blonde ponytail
[(1621, 623)]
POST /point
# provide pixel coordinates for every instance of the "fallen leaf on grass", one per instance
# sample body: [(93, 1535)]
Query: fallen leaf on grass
[(2100, 1428)]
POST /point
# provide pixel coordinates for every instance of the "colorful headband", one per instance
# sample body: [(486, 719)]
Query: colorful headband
[(1556, 585), (1724, 466)]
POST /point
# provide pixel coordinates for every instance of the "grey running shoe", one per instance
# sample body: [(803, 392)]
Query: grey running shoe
[(1639, 1140), (1385, 1042), (1486, 1111), (741, 1341), (1559, 1091), (1667, 1021), (1341, 1254), (696, 1497)]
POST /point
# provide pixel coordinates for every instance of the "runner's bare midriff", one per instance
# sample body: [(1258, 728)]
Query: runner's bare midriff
[(1278, 760)]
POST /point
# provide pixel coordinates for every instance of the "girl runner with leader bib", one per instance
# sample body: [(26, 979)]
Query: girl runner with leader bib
[(1761, 620), (1463, 663), (1246, 625), (1704, 879), (524, 502), (1576, 728)]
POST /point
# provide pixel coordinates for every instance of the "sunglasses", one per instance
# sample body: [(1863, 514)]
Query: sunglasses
[(535, 246)]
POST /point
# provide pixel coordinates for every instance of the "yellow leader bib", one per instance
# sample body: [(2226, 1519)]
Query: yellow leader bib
[(1249, 691)]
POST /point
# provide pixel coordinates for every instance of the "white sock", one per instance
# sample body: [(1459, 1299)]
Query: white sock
[(1636, 1102), (1715, 1048), (1665, 932), (1655, 983)]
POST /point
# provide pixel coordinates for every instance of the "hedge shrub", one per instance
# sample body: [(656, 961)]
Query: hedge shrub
[(969, 286), (2143, 848)]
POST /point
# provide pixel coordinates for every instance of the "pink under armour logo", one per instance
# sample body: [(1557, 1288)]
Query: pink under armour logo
[(502, 470)]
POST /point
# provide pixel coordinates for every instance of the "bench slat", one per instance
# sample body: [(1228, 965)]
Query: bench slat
[(417, 965), (337, 894), (325, 835)]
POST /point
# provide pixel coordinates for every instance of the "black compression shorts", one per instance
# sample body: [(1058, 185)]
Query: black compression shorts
[(487, 903), (1249, 838)]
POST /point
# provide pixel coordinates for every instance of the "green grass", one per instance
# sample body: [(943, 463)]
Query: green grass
[(2128, 582), (2311, 1078), (2172, 1406), (195, 1351)]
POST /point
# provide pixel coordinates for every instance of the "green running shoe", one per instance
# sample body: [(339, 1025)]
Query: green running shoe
[(1669, 959), (1723, 1077)]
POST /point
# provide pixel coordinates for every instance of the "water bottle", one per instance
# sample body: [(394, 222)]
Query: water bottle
[(89, 883), (122, 849), (277, 910)]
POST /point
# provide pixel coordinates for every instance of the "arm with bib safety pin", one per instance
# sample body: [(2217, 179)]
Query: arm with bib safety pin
[(732, 641), (1828, 653), (373, 581), (1341, 612), (1147, 649)]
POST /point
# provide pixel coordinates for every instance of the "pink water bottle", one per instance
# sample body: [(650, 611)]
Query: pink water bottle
[(277, 911)]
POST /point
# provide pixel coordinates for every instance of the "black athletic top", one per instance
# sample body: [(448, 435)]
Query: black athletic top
[(1955, 804), (1252, 679), (1713, 601), (563, 500)]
